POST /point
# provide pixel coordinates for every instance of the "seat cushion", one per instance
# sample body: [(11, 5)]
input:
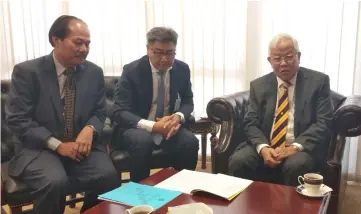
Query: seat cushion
[(122, 162)]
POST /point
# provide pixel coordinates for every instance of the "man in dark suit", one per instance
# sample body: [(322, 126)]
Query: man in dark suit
[(56, 107), (288, 120), (153, 98)]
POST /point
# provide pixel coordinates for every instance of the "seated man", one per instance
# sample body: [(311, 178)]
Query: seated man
[(152, 100), (288, 121), (56, 107)]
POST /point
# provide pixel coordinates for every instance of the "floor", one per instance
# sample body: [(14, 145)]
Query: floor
[(351, 203)]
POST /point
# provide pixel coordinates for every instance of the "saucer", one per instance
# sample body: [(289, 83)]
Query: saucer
[(322, 191)]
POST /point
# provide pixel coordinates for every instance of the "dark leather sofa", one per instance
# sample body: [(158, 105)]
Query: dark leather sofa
[(229, 111)]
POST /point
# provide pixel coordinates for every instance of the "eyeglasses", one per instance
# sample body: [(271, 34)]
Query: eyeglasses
[(278, 60), (168, 54)]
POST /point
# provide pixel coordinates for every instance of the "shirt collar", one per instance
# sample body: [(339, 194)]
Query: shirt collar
[(292, 81), (59, 67), (154, 70)]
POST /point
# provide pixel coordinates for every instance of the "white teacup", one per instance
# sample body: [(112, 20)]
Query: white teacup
[(311, 181), (142, 209)]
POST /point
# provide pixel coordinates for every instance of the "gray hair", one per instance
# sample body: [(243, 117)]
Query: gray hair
[(162, 34), (281, 37)]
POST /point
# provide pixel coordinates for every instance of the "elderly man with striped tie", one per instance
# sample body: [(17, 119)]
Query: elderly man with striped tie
[(288, 120)]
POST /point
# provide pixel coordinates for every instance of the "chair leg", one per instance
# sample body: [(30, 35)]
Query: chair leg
[(72, 205), (16, 210)]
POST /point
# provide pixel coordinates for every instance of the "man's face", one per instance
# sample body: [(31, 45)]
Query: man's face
[(74, 48), (284, 60), (161, 54)]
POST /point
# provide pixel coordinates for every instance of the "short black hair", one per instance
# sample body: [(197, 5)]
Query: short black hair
[(60, 28), (162, 34)]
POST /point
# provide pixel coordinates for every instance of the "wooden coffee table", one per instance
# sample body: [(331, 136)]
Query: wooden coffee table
[(258, 198)]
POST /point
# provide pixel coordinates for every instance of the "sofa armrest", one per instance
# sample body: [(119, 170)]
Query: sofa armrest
[(228, 111), (346, 123), (107, 134)]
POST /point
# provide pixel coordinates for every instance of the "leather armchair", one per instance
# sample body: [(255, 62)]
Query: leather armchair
[(229, 111)]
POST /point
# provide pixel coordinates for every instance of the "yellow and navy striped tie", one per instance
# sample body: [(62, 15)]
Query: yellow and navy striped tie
[(279, 129)]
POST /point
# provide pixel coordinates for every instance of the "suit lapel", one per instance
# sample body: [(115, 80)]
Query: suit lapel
[(271, 100), (300, 99), (51, 81), (174, 80), (146, 81)]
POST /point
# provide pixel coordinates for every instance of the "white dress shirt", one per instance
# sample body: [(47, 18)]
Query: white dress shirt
[(290, 137), (149, 123)]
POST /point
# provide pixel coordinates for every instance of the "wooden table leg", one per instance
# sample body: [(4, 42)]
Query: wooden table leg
[(204, 150), (214, 141)]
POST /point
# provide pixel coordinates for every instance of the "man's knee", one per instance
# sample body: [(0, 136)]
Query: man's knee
[(242, 160), (236, 164), (190, 142), (110, 177), (298, 164), (57, 184), (139, 141)]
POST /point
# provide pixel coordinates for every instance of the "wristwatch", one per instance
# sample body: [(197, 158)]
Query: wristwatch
[(94, 131), (295, 147)]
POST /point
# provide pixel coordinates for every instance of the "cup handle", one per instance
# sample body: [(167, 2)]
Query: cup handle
[(299, 180), (127, 212)]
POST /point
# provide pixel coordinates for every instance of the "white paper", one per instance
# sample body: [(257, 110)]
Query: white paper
[(219, 184)]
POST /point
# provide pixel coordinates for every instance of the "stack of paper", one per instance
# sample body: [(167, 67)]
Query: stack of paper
[(134, 194), (190, 182)]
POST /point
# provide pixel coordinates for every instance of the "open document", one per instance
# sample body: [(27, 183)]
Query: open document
[(190, 182)]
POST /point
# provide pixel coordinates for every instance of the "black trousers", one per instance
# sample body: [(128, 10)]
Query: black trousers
[(51, 176), (247, 163), (182, 148)]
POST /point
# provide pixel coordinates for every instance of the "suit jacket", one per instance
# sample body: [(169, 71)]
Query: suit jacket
[(313, 110), (134, 92), (34, 109)]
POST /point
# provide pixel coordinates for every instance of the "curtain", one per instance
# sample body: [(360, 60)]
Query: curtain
[(225, 42)]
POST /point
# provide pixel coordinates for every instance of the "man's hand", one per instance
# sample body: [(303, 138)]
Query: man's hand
[(170, 123), (84, 140), (284, 153), (69, 149), (270, 157)]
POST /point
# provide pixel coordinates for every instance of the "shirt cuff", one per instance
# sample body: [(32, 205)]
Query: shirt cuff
[(299, 146), (146, 125), (53, 143), (261, 146), (181, 115)]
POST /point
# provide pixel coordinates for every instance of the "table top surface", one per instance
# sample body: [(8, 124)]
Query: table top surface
[(259, 197)]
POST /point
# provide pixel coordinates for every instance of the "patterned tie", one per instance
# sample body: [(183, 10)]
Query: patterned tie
[(161, 96), (69, 105), (279, 129)]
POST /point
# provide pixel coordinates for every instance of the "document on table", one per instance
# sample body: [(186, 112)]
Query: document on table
[(190, 182), (135, 194)]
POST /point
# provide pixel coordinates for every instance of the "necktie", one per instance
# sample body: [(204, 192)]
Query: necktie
[(279, 129), (161, 96), (69, 105), (157, 138)]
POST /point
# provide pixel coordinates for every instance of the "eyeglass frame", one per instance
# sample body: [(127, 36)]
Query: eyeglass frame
[(287, 59), (160, 54)]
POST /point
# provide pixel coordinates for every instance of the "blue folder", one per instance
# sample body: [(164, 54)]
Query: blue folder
[(135, 194)]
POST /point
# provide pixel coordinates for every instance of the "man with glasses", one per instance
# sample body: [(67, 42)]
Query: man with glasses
[(153, 98), (288, 120)]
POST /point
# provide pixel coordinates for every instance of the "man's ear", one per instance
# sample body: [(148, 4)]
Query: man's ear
[(55, 40)]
